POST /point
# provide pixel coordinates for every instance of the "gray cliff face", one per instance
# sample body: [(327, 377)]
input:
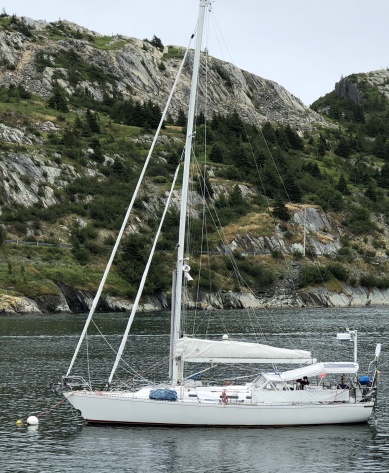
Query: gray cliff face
[(348, 89), (31, 177), (143, 73), (28, 178), (348, 86), (322, 236)]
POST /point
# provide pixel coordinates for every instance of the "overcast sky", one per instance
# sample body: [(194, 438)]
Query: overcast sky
[(304, 45)]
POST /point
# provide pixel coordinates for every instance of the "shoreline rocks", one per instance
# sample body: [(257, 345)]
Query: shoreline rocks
[(71, 300)]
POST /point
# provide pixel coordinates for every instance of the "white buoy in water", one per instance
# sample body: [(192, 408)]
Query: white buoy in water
[(32, 420)]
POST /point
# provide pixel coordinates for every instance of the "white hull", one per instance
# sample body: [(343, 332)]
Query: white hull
[(124, 408)]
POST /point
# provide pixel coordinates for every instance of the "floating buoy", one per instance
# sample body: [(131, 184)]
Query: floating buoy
[(32, 420), (19, 422)]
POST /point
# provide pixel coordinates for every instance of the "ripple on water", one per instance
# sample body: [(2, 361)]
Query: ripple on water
[(36, 352)]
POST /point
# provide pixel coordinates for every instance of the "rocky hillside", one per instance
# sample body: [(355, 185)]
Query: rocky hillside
[(301, 194), (140, 71)]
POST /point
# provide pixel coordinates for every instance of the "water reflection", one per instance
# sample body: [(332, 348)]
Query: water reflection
[(36, 352), (206, 450)]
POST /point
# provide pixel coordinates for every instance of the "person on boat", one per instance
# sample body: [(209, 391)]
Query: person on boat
[(302, 382), (342, 384)]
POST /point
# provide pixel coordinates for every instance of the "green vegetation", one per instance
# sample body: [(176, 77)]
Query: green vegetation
[(33, 270), (101, 138), (14, 94), (315, 274), (156, 42), (108, 42), (77, 68), (173, 52)]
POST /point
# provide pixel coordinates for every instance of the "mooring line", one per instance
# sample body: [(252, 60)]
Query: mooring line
[(53, 407)]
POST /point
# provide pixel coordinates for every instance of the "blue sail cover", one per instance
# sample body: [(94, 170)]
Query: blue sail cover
[(163, 395)]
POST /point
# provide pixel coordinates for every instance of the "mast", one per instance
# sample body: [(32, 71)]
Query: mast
[(175, 366)]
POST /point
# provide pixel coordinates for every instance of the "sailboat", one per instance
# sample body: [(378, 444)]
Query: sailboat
[(270, 398)]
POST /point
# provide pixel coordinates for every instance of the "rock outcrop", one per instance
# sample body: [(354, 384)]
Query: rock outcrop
[(142, 72), (75, 301), (349, 89), (349, 86), (322, 236), (18, 305)]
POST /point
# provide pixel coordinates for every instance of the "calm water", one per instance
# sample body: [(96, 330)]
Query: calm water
[(36, 351)]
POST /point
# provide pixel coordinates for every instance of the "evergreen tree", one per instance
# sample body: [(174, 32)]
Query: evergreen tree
[(181, 118), (386, 151), (236, 198), (268, 132), (222, 202), (379, 146), (169, 119), (118, 170), (282, 139), (132, 262), (14, 92), (241, 158), (358, 114), (342, 185), (312, 169), (216, 155), (294, 140), (157, 43), (133, 258), (58, 100), (235, 124), (371, 192), (383, 179), (322, 146), (375, 125), (152, 115), (360, 173), (71, 138), (334, 111), (343, 149), (280, 211), (200, 119), (260, 159), (293, 189), (92, 123), (78, 125), (97, 152)]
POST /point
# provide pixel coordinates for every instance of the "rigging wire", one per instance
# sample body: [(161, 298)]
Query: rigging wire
[(308, 243), (127, 215), (241, 282), (143, 280), (87, 359), (202, 172)]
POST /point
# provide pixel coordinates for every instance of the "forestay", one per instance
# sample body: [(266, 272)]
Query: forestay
[(227, 351)]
